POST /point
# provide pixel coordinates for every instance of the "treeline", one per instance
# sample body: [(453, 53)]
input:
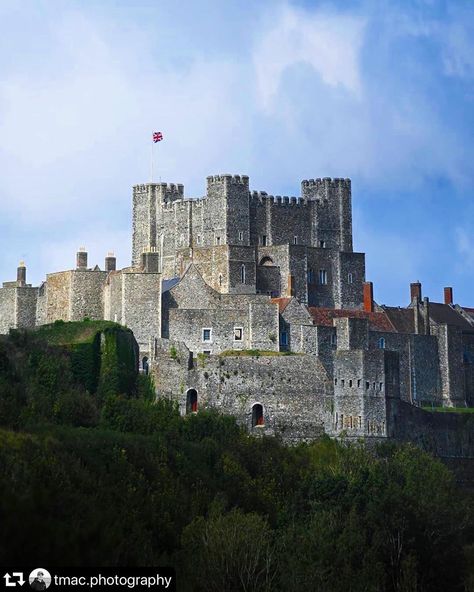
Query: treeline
[(111, 478)]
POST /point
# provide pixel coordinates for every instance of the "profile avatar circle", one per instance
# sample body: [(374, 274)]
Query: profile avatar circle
[(40, 579)]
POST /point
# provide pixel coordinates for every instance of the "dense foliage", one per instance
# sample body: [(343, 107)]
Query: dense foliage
[(111, 478)]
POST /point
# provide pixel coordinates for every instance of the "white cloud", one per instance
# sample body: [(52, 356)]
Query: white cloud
[(329, 43)]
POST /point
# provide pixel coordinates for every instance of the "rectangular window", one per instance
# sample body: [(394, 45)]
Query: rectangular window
[(238, 333), (349, 278), (323, 277), (207, 334), (218, 240), (241, 235), (207, 352), (334, 339), (322, 244), (264, 240), (310, 276), (284, 338), (295, 240)]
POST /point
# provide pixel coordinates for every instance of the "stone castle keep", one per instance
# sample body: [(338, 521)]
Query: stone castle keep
[(258, 306)]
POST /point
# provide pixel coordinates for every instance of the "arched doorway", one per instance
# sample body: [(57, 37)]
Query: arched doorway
[(191, 401), (257, 415)]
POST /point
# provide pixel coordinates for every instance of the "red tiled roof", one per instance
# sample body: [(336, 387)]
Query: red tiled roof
[(378, 321), (282, 303)]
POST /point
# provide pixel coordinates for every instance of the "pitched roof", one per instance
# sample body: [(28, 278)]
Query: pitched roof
[(401, 318), (446, 314), (282, 303), (378, 321)]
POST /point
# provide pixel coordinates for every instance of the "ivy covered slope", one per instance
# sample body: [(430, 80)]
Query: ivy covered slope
[(64, 372), (95, 472)]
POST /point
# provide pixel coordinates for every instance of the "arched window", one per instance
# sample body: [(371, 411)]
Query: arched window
[(191, 401), (145, 365), (242, 274), (257, 415), (266, 261), (382, 343)]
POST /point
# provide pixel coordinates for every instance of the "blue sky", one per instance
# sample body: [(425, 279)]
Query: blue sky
[(382, 92)]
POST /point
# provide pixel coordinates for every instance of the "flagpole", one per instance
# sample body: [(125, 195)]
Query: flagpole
[(151, 162)]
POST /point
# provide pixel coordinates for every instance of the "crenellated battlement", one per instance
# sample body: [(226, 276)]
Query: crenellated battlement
[(262, 198), (228, 179), (173, 190), (326, 182)]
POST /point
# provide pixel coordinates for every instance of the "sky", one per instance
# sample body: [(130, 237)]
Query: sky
[(378, 91)]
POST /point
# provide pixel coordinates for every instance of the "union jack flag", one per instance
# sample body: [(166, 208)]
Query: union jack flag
[(157, 137)]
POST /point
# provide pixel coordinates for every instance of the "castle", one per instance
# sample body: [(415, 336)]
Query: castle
[(258, 306)]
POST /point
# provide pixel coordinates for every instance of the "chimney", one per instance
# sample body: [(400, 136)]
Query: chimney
[(81, 258), (291, 290), (448, 295), (110, 262), (368, 297), (415, 291), (21, 274)]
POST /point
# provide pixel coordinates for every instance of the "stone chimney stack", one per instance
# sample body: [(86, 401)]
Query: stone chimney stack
[(21, 274), (81, 258), (415, 291), (448, 295), (368, 297), (426, 314), (110, 262)]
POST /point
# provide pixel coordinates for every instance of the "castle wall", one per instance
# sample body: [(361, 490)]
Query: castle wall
[(58, 296), (141, 306), (450, 350), (7, 309), (26, 299), (42, 304), (443, 434), (86, 295), (295, 391)]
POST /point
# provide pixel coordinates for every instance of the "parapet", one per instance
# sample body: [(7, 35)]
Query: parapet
[(175, 191), (261, 198), (326, 182), (228, 180)]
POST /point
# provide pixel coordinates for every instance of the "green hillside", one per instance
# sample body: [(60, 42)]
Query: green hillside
[(94, 472)]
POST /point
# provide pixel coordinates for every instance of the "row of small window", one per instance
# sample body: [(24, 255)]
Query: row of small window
[(359, 384), (355, 422), (207, 334)]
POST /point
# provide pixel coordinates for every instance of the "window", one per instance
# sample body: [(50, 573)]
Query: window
[(367, 385), (334, 339), (380, 386), (350, 382), (238, 333), (264, 240), (242, 274), (349, 278), (382, 343), (359, 382), (257, 415), (220, 279), (145, 365), (295, 240), (342, 382), (322, 244), (207, 334), (310, 276), (218, 240), (198, 239), (323, 277), (284, 338), (207, 352), (241, 235), (335, 381)]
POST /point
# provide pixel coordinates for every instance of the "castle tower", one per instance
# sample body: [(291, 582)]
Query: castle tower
[(332, 212), (21, 274)]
